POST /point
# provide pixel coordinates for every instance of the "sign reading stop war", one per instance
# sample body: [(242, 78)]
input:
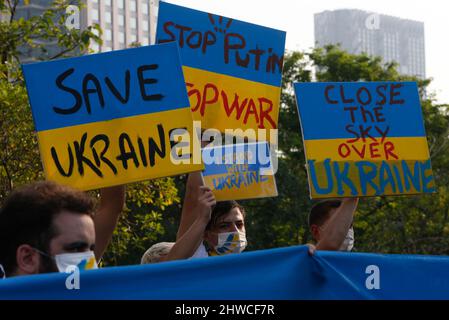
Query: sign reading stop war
[(364, 139), (240, 171), (111, 118), (232, 68)]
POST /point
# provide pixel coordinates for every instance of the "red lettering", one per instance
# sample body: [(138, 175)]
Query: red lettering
[(235, 105), (361, 152), (374, 152), (265, 114), (340, 150), (251, 110), (389, 148), (212, 100)]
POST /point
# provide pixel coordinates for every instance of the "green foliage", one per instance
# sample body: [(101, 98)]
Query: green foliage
[(141, 224), (417, 224), (20, 163)]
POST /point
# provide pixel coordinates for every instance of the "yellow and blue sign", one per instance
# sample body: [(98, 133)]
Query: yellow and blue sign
[(239, 171), (111, 118), (364, 139), (233, 69)]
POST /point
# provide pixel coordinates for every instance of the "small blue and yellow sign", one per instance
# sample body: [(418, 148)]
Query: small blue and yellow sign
[(240, 171)]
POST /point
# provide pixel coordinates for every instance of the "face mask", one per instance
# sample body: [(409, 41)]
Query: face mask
[(82, 260), (348, 243), (231, 242)]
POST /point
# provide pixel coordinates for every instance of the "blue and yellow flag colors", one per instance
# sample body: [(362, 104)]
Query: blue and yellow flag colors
[(364, 139), (108, 118), (240, 171), (233, 69)]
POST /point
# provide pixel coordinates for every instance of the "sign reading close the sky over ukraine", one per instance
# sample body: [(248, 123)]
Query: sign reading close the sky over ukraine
[(111, 118), (240, 171), (233, 69), (364, 139)]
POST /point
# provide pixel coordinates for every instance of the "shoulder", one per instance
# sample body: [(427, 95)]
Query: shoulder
[(200, 252)]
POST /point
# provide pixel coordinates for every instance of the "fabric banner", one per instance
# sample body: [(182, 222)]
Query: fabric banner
[(285, 273)]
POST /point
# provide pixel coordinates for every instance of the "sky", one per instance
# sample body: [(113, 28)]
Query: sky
[(296, 18)]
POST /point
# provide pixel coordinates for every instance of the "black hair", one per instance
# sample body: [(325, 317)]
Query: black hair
[(27, 217)]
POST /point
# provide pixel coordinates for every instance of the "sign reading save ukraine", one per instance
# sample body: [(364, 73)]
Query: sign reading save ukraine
[(364, 139), (239, 171), (111, 118), (232, 68)]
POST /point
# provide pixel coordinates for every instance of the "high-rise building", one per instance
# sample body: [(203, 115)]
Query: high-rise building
[(123, 22), (392, 38)]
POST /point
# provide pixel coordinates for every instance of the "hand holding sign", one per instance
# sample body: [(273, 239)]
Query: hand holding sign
[(206, 201)]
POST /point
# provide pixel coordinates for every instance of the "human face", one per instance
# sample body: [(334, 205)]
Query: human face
[(318, 230), (74, 233), (233, 221)]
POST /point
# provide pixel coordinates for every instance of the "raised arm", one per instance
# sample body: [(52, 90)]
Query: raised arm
[(188, 243), (336, 228), (111, 206), (188, 213)]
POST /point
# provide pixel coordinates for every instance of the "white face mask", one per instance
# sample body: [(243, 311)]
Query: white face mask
[(82, 260), (231, 242), (348, 243)]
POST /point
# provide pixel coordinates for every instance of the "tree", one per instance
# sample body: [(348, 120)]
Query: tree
[(19, 154), (405, 224)]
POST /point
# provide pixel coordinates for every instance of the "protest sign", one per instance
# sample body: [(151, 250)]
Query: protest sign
[(240, 171), (233, 69), (364, 139), (111, 118)]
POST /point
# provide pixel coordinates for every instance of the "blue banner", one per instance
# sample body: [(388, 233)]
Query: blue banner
[(286, 273)]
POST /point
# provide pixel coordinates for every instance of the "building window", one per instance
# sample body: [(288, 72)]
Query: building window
[(108, 2), (94, 14), (132, 6), (120, 4), (121, 20), (108, 17), (108, 34), (121, 37), (145, 25), (133, 23), (133, 38), (145, 8)]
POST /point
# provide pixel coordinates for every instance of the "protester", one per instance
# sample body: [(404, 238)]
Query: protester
[(207, 227), (157, 252), (330, 223), (45, 227)]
